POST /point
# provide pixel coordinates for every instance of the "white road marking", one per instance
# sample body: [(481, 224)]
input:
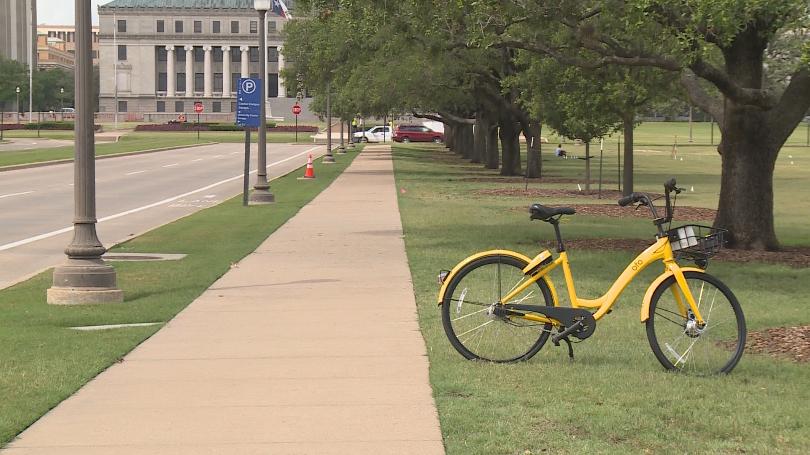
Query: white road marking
[(198, 159), (136, 172), (210, 196), (172, 165), (217, 156), (15, 194), (47, 235)]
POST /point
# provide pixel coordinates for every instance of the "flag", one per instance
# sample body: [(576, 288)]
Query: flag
[(281, 9)]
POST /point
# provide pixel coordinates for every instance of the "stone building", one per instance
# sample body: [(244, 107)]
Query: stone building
[(157, 57), (67, 35)]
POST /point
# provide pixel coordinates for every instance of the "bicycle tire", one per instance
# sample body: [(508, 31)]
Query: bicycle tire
[(514, 339), (716, 348)]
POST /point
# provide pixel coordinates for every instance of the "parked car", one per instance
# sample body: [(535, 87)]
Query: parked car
[(417, 133), (68, 110), (374, 134)]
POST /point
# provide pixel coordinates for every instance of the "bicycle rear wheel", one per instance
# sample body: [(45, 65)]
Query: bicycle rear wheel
[(466, 311), (677, 341)]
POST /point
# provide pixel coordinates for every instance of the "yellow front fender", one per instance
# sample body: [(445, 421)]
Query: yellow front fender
[(645, 306), (509, 253)]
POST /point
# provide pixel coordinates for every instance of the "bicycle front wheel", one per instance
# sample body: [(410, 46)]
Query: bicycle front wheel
[(467, 316), (680, 343)]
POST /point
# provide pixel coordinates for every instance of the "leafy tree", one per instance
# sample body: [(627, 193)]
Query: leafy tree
[(13, 74)]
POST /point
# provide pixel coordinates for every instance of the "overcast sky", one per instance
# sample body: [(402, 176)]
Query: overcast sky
[(61, 12)]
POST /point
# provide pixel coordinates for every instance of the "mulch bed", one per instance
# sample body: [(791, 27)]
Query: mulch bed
[(545, 179), (787, 342), (551, 192), (798, 257), (616, 211)]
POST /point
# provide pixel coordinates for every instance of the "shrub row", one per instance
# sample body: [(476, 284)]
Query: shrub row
[(191, 126), (58, 126)]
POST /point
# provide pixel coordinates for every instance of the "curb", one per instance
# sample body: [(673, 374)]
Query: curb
[(15, 167)]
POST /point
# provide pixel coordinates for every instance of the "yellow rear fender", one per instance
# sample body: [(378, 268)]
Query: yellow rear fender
[(645, 305), (463, 263)]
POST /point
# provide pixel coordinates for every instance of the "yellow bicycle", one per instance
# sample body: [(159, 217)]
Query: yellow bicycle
[(501, 306)]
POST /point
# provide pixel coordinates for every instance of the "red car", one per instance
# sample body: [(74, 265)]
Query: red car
[(417, 133)]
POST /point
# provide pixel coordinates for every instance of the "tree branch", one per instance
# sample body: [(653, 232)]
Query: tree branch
[(793, 104), (748, 96), (700, 98)]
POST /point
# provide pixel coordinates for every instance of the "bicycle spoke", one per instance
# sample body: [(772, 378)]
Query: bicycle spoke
[(471, 314), (475, 328)]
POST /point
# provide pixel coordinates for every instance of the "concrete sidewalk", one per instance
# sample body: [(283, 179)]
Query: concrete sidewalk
[(310, 345)]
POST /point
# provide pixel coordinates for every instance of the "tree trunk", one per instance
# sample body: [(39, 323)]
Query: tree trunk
[(480, 138), (748, 153), (449, 136), (467, 138), (510, 148), (492, 153), (534, 165), (749, 146), (627, 123)]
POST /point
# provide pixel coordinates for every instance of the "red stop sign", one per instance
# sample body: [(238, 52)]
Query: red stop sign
[(296, 109), (198, 107)]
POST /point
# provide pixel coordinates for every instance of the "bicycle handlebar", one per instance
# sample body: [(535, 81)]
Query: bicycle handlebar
[(669, 186)]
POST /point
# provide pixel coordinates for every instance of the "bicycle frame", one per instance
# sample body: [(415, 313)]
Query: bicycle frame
[(661, 250)]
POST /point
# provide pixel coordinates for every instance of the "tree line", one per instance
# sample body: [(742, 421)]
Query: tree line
[(47, 95), (503, 68)]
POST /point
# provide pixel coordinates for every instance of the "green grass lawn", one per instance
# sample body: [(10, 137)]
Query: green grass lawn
[(614, 397), (42, 361)]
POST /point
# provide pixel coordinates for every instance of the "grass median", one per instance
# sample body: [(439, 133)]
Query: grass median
[(614, 397), (43, 361)]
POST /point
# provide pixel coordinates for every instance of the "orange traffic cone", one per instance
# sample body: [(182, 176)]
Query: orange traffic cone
[(310, 172)]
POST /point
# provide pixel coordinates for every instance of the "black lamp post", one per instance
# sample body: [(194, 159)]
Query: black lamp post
[(261, 190)]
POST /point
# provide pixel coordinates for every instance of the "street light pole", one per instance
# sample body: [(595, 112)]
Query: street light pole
[(84, 278), (18, 104), (62, 103), (261, 190), (329, 158)]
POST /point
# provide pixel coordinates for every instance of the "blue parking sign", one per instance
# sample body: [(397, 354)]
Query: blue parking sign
[(248, 97)]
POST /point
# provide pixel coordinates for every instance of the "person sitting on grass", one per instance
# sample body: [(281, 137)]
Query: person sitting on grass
[(560, 152)]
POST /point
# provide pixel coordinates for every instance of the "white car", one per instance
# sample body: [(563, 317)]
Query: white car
[(374, 134)]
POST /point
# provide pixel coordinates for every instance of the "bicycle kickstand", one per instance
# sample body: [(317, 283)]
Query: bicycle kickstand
[(568, 342)]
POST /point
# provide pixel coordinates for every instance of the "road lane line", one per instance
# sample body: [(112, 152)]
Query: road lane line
[(11, 245), (15, 194), (198, 159), (136, 172), (172, 165)]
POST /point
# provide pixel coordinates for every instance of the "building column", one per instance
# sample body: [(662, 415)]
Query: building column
[(281, 92), (171, 73), (226, 71), (245, 61), (189, 71), (208, 73)]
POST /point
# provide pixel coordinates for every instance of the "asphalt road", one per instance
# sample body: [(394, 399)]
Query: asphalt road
[(134, 194)]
